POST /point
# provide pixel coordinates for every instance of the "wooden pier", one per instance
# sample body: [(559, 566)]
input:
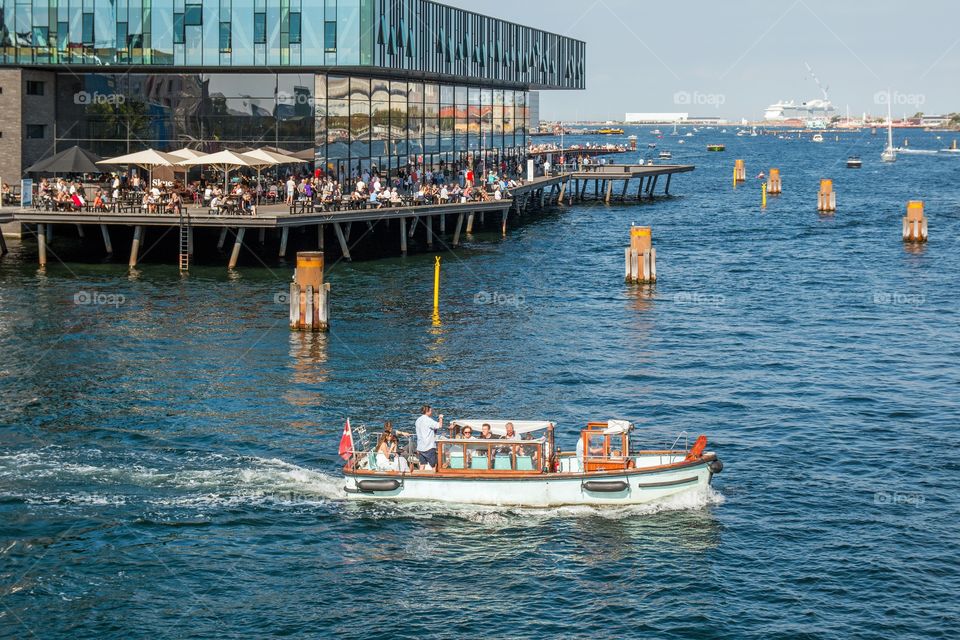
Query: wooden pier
[(612, 182), (427, 225)]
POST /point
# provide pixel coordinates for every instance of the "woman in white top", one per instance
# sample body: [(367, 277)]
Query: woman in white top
[(387, 458)]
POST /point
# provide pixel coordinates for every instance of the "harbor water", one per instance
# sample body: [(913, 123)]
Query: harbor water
[(168, 448)]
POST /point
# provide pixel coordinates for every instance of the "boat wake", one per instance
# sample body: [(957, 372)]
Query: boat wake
[(58, 476)]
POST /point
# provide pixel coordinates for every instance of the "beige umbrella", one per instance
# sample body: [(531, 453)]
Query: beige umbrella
[(187, 152), (146, 159), (226, 160)]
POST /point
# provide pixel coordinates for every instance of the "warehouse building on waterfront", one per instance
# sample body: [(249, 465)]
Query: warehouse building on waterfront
[(385, 83)]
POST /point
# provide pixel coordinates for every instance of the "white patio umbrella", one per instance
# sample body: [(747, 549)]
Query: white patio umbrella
[(274, 158), (187, 152), (226, 160), (146, 159)]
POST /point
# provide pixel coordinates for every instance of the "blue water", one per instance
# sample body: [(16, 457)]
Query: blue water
[(168, 457)]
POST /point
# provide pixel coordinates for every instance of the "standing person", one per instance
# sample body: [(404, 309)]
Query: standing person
[(427, 429), (291, 190)]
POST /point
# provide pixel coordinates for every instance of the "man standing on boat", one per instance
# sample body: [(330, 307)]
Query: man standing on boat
[(427, 429)]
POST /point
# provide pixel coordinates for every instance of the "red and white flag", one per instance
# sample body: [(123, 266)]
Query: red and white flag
[(346, 442)]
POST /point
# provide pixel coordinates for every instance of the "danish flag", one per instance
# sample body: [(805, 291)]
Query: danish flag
[(346, 442)]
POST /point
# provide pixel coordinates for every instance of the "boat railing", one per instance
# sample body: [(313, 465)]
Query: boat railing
[(478, 454), (686, 441)]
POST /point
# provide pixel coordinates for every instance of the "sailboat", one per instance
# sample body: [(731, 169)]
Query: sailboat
[(889, 154)]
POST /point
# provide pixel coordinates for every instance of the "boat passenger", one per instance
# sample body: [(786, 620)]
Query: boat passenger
[(427, 429), (387, 456), (467, 433), (485, 432)]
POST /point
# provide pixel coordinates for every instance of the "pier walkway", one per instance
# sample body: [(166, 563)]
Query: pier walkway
[(433, 222)]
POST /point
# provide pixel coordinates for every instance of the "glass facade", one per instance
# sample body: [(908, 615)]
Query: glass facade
[(393, 124), (411, 37)]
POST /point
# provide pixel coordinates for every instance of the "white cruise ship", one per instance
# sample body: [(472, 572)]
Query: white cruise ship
[(812, 111)]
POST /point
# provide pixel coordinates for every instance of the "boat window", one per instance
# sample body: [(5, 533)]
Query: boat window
[(491, 455)]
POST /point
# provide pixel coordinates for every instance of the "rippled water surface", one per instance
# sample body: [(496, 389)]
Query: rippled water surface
[(168, 464)]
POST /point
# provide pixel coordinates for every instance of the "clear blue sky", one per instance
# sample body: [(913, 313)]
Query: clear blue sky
[(734, 58)]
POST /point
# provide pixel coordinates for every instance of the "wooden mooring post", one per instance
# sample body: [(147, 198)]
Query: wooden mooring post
[(739, 172), (915, 223), (774, 185), (826, 198), (309, 294), (641, 257)]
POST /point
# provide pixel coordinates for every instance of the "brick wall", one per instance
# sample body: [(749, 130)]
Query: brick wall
[(39, 110), (11, 127)]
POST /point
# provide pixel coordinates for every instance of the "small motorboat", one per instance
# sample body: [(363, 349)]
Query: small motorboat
[(716, 147), (665, 155), (854, 162), (528, 470), (656, 132), (817, 137)]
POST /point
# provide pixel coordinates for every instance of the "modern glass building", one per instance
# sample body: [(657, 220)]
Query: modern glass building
[(390, 83)]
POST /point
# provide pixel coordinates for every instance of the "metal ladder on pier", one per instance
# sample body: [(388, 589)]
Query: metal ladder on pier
[(184, 241)]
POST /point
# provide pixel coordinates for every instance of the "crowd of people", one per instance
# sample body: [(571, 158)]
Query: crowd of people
[(365, 188), (391, 457)]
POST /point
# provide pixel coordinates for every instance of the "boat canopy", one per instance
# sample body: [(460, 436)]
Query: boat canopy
[(617, 426), (498, 427)]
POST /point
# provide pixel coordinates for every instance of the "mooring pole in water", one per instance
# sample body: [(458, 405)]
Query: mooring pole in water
[(915, 223), (42, 244), (826, 198), (135, 245), (763, 195), (641, 257), (774, 185), (237, 244), (309, 294), (436, 285)]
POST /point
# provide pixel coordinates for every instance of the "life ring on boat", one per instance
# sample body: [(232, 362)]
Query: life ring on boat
[(716, 466), (605, 486), (698, 448), (389, 484)]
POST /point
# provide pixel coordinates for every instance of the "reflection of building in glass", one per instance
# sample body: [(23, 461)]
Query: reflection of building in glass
[(404, 81), (533, 110)]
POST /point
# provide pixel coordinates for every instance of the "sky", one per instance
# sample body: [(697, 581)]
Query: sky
[(732, 59)]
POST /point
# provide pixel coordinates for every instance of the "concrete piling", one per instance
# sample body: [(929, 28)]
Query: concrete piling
[(774, 186), (739, 172)]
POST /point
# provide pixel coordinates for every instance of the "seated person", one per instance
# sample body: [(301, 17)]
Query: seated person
[(387, 457), (485, 433)]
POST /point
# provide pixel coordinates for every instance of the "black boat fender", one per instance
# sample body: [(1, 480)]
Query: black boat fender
[(605, 486), (389, 484), (716, 466)]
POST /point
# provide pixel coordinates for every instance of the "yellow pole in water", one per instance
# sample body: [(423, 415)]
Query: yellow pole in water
[(734, 177), (763, 201), (436, 286)]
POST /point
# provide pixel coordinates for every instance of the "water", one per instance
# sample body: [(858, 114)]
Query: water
[(168, 459)]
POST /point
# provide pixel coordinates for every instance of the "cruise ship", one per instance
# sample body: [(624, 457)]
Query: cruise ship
[(811, 113)]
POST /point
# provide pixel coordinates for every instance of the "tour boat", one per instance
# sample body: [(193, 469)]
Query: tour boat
[(528, 471), (665, 155), (854, 162)]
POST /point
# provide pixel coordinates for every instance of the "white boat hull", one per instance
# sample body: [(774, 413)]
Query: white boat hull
[(636, 486)]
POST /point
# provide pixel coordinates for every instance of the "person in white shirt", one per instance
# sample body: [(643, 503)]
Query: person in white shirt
[(291, 190), (427, 429)]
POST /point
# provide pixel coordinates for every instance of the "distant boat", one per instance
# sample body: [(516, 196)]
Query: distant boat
[(665, 155), (716, 147), (680, 141), (916, 152), (609, 131), (656, 132), (953, 148), (817, 137), (889, 153), (688, 135), (651, 145), (854, 162)]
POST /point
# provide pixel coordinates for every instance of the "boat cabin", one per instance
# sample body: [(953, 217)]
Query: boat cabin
[(605, 446), (528, 451)]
